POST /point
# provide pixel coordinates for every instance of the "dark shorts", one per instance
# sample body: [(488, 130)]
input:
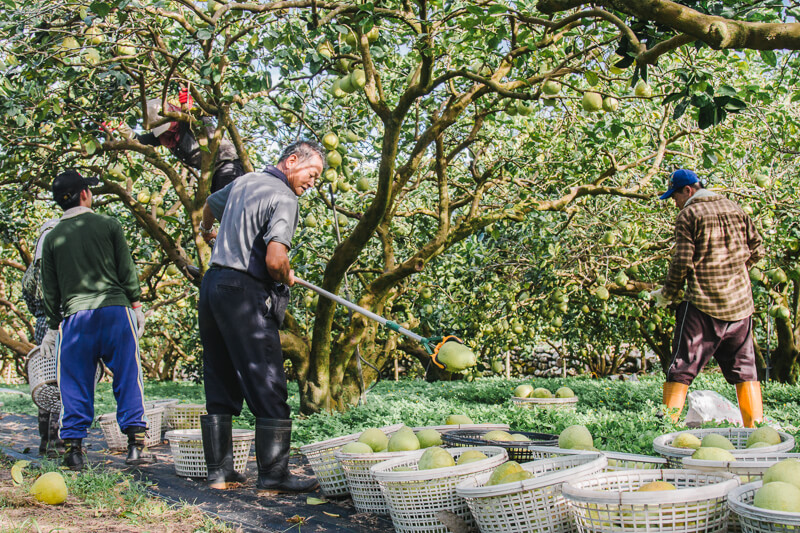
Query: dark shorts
[(699, 337)]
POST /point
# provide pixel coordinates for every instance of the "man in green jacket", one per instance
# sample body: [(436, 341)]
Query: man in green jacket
[(92, 292)]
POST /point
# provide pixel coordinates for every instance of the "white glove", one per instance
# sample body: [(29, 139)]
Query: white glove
[(48, 346), (125, 131), (139, 312), (661, 300)]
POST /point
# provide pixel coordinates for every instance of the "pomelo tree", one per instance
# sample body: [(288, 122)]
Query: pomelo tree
[(451, 119)]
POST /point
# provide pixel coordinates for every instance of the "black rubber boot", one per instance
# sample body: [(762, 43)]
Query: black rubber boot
[(44, 432), (217, 431), (137, 451), (272, 454), (74, 457)]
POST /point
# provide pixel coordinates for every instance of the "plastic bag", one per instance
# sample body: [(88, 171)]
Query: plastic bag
[(708, 406)]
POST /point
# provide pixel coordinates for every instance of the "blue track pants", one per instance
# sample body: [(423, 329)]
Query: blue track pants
[(107, 334)]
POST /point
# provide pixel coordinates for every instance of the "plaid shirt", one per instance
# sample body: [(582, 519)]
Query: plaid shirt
[(716, 243)]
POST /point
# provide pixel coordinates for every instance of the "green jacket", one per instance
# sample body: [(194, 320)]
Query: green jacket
[(86, 264)]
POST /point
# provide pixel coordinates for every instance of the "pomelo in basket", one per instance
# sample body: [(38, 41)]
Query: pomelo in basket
[(787, 470), (403, 440), (50, 488), (709, 453), (470, 456), (374, 438), (516, 476), (686, 440), (435, 458), (575, 437), (565, 392), (356, 447), (523, 391), (428, 438), (498, 434), (715, 440), (654, 486), (541, 392), (778, 496), (519, 437), (453, 420), (756, 445), (764, 434), (505, 469)]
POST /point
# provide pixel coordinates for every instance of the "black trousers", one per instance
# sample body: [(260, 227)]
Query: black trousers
[(242, 355), (226, 172)]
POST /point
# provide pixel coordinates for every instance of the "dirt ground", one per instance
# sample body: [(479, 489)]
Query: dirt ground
[(243, 508)]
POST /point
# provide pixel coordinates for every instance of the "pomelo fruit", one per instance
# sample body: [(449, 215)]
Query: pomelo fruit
[(403, 440), (50, 488), (610, 104), (709, 453), (565, 392), (456, 356), (356, 447), (505, 469), (656, 486), (715, 440), (756, 445), (519, 437), (374, 438), (330, 141), (787, 471), (764, 434), (643, 90), (453, 420), (575, 436), (686, 440), (551, 88), (541, 392), (428, 438), (516, 476), (592, 102), (778, 496), (435, 458), (470, 456), (499, 435)]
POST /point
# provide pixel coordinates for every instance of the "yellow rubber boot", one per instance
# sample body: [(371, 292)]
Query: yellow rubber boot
[(673, 398), (750, 405)]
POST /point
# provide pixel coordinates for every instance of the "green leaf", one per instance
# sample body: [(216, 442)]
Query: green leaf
[(101, 9), (710, 115), (475, 10), (680, 109), (591, 78), (726, 90), (496, 9), (769, 57), (315, 501)]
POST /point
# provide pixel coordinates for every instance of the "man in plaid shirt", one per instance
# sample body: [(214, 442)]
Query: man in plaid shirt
[(715, 246)]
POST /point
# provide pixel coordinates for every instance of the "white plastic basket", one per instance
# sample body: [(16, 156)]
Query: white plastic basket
[(321, 457), (453, 427), (363, 488), (532, 505), (565, 404), (738, 437), (414, 497), (185, 415), (631, 461), (165, 404), (748, 468), (118, 441), (43, 378), (187, 451), (753, 519), (609, 502)]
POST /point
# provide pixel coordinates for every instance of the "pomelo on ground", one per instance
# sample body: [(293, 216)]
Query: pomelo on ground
[(498, 434), (764, 434), (686, 440), (574, 437), (778, 496), (470, 456), (565, 392), (453, 420), (50, 488), (374, 438), (356, 447), (715, 440), (709, 453), (787, 471), (435, 458), (428, 438)]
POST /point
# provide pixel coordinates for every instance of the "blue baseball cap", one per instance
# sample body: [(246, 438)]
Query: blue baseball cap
[(679, 179)]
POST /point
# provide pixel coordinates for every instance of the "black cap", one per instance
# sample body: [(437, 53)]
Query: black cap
[(69, 184)]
